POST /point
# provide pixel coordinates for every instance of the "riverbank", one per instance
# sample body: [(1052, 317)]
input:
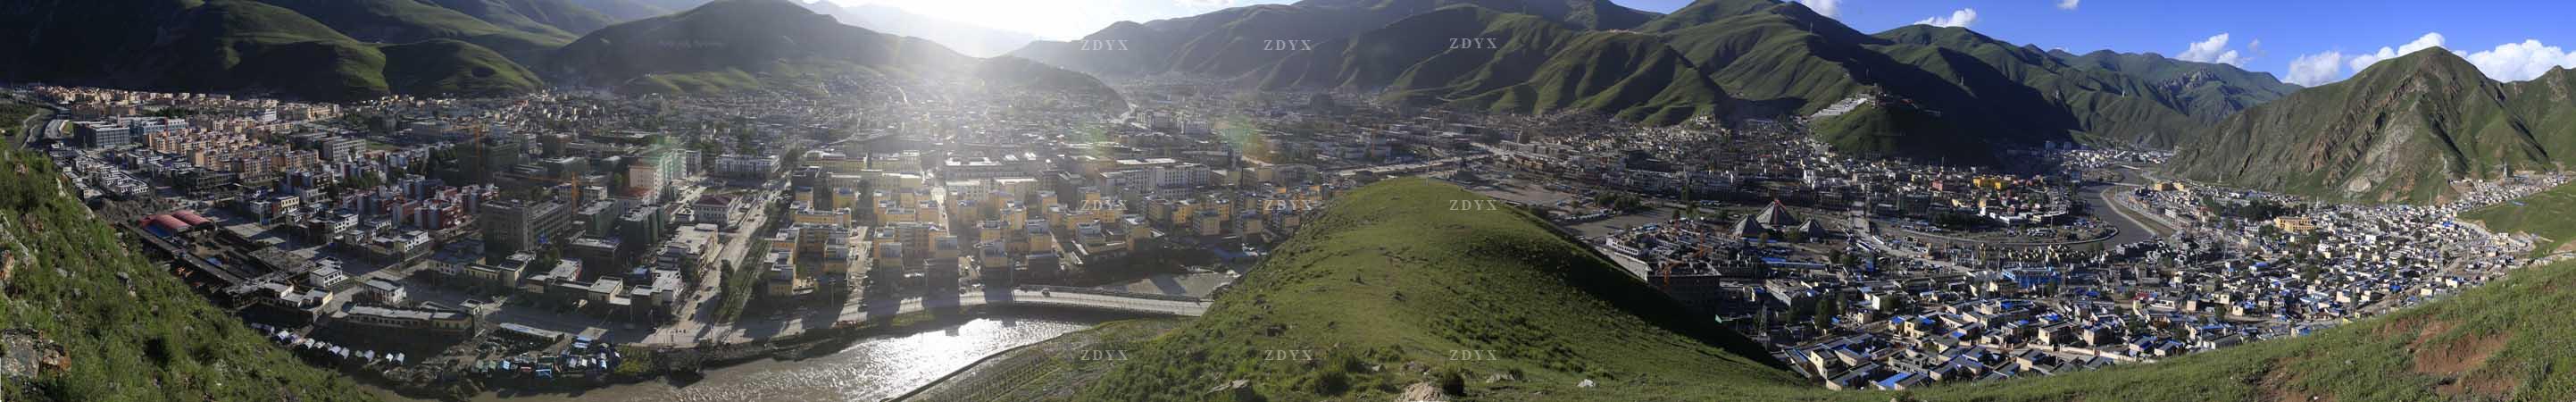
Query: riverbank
[(1048, 369), (945, 338)]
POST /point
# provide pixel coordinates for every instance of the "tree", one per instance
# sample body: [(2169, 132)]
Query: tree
[(1826, 309)]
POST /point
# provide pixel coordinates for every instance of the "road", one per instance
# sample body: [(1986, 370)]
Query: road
[(34, 127), (801, 320), (731, 247)]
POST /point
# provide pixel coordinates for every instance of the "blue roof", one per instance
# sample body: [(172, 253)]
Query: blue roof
[(1893, 379)]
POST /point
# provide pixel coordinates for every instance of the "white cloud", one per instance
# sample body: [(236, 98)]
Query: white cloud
[(2316, 69), (2429, 40), (1204, 4), (2214, 50), (1827, 8), (1961, 18), (2521, 60), (2068, 5)]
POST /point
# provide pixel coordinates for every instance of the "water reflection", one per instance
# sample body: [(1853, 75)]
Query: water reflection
[(869, 370)]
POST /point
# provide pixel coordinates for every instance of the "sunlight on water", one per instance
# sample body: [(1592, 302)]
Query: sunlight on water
[(870, 370)]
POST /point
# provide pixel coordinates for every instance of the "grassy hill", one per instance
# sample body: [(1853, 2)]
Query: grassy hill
[(2208, 91), (534, 16), (1390, 279), (1520, 63), (626, 10), (1230, 42), (130, 331), (2545, 214), (1984, 93), (237, 46), (2108, 108), (2399, 132), (740, 46), (446, 67), (1375, 292), (406, 21)]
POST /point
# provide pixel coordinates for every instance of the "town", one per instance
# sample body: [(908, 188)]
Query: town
[(553, 236)]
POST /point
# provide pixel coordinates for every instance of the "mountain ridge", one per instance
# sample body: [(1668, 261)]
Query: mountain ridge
[(2397, 132)]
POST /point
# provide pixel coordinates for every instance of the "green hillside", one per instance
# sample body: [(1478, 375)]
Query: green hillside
[(1389, 280), (2545, 214), (2399, 131), (1515, 63), (745, 46), (1958, 96), (534, 16), (127, 328), (2208, 91), (2110, 108), (1231, 42), (780, 44), (1977, 93), (406, 21), (446, 67), (238, 46), (624, 10), (1380, 280)]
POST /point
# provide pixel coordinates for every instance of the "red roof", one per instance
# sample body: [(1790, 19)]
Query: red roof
[(190, 217), (166, 222)]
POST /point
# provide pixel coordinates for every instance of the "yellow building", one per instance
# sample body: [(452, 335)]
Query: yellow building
[(2295, 224)]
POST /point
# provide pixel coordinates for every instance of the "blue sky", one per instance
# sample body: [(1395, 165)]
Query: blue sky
[(2325, 40)]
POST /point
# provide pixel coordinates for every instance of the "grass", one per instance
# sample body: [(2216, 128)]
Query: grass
[(2544, 214), (12, 113), (636, 361), (1373, 297), (1376, 294), (740, 286), (132, 330)]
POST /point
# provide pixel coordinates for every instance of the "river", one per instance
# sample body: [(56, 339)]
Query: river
[(871, 369)]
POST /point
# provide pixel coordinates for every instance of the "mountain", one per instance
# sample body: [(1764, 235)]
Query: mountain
[(970, 39), (1931, 93), (1919, 91), (624, 10), (1508, 63), (1536, 313), (534, 15), (1240, 40), (736, 46), (406, 21), (2207, 90), (2399, 131), (237, 46)]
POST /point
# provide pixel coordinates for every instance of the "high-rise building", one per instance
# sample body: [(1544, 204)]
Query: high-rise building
[(512, 226)]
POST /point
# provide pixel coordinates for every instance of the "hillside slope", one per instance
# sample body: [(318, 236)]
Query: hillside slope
[(1240, 40), (1378, 281), (1508, 63), (406, 21), (970, 39), (741, 46), (2545, 215), (1391, 279), (1947, 93), (127, 329), (546, 16), (235, 46), (2399, 131), (2209, 91)]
